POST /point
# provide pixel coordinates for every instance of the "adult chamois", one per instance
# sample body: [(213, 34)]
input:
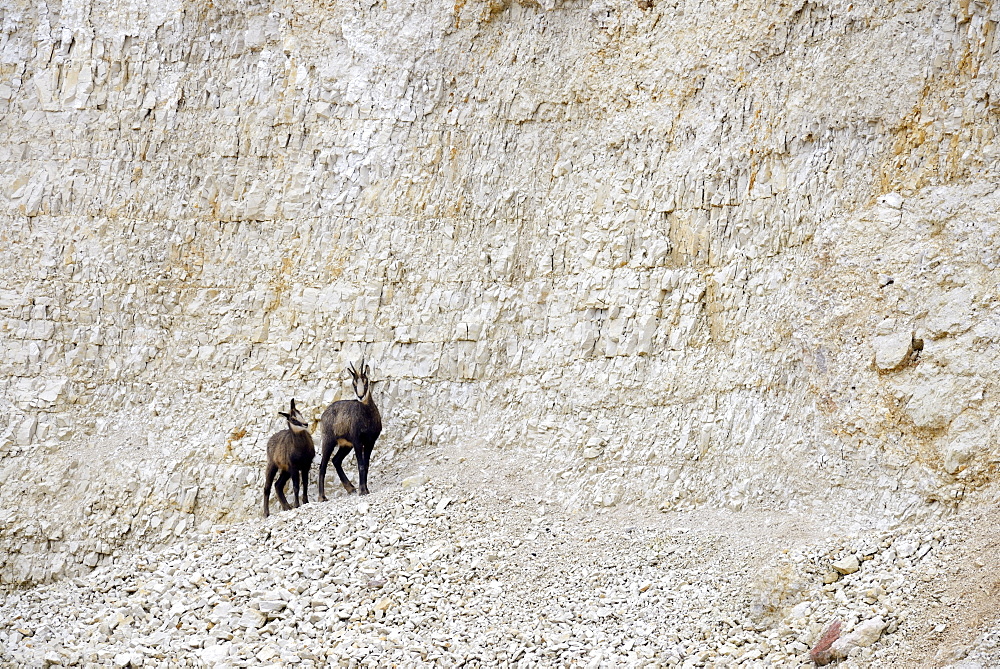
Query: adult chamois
[(290, 452), (348, 424)]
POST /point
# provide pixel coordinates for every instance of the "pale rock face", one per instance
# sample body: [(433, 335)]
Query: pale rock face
[(951, 314), (973, 437), (933, 405), (651, 223)]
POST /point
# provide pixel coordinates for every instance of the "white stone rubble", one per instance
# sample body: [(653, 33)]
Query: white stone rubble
[(431, 575)]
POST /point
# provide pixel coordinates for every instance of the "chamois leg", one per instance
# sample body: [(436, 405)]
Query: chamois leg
[(279, 487), (359, 455), (368, 458), (338, 460), (323, 462), (295, 485), (304, 473), (268, 480)]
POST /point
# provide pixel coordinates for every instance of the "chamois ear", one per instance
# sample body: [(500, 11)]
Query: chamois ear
[(284, 415), (293, 406)]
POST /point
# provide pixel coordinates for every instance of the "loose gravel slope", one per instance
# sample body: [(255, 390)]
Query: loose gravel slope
[(434, 571)]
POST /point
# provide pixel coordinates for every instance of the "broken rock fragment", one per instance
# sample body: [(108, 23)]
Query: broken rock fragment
[(893, 350)]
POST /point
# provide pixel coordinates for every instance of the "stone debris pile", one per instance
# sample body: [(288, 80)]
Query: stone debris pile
[(431, 574)]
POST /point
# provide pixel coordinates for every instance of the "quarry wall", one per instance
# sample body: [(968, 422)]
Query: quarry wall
[(660, 253)]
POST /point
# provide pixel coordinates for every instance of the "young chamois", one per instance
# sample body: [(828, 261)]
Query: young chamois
[(290, 452), (348, 424)]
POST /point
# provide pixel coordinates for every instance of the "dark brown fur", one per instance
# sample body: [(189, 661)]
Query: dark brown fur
[(291, 453), (350, 424)]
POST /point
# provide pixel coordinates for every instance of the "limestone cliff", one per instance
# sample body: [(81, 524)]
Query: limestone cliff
[(663, 253)]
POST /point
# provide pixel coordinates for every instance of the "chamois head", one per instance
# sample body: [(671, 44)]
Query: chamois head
[(296, 422), (362, 384)]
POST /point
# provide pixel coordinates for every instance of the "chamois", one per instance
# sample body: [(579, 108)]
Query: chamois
[(291, 452), (348, 424)]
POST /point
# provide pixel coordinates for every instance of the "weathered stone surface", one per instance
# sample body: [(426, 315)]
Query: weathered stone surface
[(951, 314), (542, 222), (935, 404)]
